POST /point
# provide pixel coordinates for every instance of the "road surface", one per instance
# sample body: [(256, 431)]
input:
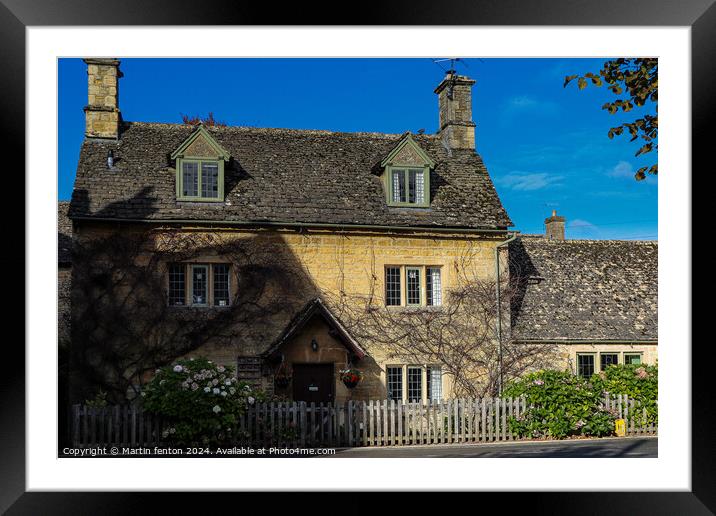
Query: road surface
[(607, 447)]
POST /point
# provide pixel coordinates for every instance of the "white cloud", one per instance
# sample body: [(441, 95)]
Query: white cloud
[(622, 169), (580, 228), (525, 182), (525, 104)]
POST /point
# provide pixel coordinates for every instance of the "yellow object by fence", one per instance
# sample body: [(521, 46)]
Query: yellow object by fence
[(620, 427)]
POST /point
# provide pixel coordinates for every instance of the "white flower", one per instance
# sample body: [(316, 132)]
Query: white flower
[(216, 391), (215, 381), (216, 409), (232, 390), (223, 393), (144, 393), (178, 369), (207, 389), (194, 386), (221, 369), (192, 359), (251, 400), (227, 382)]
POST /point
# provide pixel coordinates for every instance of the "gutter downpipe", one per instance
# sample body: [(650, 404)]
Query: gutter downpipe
[(499, 311)]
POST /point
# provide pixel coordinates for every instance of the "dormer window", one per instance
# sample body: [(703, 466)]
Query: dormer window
[(200, 168), (408, 186), (407, 175), (199, 180)]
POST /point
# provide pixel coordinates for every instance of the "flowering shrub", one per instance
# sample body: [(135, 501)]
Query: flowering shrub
[(639, 382), (200, 401), (559, 404)]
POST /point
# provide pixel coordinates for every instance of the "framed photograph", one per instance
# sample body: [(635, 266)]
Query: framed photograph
[(296, 247)]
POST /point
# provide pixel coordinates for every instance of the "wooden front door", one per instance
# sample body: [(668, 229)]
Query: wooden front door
[(313, 382)]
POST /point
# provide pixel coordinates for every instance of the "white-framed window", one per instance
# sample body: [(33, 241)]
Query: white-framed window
[(433, 286), (633, 358), (413, 290), (414, 382), (413, 285), (607, 359), (434, 377), (585, 364), (394, 382), (199, 284)]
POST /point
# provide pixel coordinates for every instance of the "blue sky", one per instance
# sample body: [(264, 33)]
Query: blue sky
[(545, 146)]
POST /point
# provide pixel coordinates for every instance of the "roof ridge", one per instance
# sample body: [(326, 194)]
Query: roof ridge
[(374, 134), (587, 240)]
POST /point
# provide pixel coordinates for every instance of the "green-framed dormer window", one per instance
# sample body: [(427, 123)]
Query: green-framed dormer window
[(200, 168), (200, 180), (407, 175), (409, 186)]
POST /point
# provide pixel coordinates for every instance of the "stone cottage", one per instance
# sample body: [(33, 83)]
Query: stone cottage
[(594, 301), (274, 239)]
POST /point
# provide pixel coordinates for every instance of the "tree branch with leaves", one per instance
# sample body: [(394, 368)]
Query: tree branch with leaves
[(635, 82)]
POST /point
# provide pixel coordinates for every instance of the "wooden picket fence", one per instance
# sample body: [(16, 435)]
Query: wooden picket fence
[(348, 424)]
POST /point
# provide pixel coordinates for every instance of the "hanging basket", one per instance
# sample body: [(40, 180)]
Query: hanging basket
[(351, 377), (282, 381)]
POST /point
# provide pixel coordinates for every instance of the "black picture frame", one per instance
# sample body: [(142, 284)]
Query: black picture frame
[(17, 15)]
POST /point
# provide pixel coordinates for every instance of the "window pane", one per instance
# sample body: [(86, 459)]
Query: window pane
[(177, 285), (399, 193), (210, 180), (392, 286), (632, 359), (198, 285), (415, 383), (221, 284), (435, 383), (434, 287), (607, 359), (413, 286), (585, 365), (395, 383), (419, 187), (411, 186), (190, 179), (396, 186)]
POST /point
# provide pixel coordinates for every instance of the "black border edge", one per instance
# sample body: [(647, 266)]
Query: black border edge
[(12, 379), (701, 14), (703, 113)]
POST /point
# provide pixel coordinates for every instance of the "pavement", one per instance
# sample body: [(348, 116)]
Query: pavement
[(584, 448)]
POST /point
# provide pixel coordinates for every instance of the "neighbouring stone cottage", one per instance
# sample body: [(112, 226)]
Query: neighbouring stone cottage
[(595, 301), (277, 238)]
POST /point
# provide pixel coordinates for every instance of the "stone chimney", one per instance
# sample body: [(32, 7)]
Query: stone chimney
[(555, 227), (102, 116), (455, 109)]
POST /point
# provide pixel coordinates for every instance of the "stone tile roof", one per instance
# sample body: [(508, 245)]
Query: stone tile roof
[(584, 289), (281, 175), (299, 321), (64, 234)]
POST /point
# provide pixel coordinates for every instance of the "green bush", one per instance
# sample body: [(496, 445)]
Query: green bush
[(639, 382), (200, 402), (559, 405)]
